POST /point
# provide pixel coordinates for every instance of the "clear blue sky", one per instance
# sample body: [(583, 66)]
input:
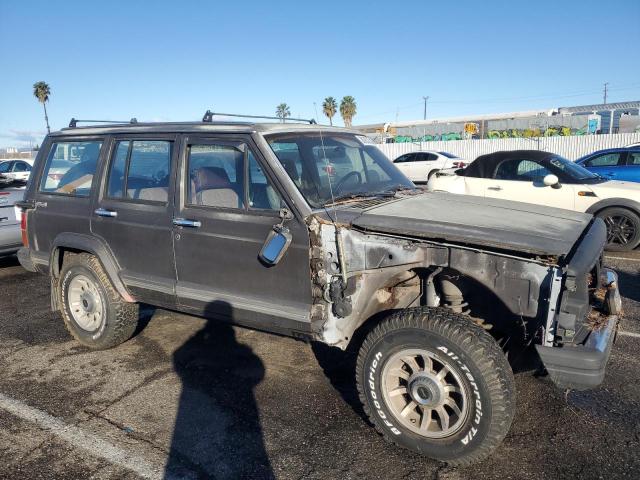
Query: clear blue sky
[(172, 61)]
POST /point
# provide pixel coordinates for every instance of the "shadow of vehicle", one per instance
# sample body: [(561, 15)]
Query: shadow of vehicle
[(217, 432), (8, 261), (340, 368)]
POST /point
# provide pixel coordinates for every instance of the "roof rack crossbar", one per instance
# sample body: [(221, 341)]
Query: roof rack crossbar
[(74, 121), (208, 117)]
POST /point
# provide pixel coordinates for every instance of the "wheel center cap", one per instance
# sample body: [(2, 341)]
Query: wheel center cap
[(88, 304), (425, 390)]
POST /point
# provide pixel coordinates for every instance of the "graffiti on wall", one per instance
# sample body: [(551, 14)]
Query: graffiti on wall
[(554, 131)]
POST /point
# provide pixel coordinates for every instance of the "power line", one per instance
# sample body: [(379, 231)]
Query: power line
[(506, 99)]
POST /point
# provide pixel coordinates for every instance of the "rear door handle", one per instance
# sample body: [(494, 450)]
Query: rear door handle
[(184, 222), (494, 188), (103, 212)]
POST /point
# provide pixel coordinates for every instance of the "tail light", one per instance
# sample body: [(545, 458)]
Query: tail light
[(23, 228), (459, 164), (55, 176)]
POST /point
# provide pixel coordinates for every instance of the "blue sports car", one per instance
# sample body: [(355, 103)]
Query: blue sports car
[(614, 163)]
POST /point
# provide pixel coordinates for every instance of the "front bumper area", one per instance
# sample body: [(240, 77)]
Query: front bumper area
[(582, 367)]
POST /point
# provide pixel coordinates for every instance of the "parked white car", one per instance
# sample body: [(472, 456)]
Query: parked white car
[(420, 166), (10, 217), (15, 170), (545, 178)]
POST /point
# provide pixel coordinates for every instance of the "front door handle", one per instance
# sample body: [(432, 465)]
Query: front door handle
[(103, 212), (497, 189), (184, 222)]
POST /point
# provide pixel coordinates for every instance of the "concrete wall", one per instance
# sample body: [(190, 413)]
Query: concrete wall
[(568, 147)]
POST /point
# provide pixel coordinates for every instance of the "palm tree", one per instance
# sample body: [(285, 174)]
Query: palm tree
[(41, 91), (329, 108), (348, 109), (282, 111)]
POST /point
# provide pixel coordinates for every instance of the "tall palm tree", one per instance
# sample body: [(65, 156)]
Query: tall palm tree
[(348, 109), (329, 108), (42, 91), (282, 111)]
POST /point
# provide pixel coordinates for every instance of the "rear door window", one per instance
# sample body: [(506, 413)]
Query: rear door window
[(521, 170), (21, 167), (606, 160), (140, 170), (71, 168)]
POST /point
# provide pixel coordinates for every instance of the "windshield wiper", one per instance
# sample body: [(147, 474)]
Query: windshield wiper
[(352, 196), (399, 187)]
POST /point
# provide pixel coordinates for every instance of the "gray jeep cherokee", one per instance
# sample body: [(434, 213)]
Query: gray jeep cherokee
[(434, 290)]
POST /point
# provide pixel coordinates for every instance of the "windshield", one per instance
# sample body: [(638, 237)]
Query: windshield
[(448, 155), (572, 169), (335, 166)]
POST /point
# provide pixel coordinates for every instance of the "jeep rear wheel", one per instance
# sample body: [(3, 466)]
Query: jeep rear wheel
[(432, 381), (93, 311)]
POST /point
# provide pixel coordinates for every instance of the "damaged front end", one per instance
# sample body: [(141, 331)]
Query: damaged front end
[(352, 280), (582, 326), (357, 274)]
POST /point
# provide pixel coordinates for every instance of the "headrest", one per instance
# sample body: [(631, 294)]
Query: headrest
[(206, 178)]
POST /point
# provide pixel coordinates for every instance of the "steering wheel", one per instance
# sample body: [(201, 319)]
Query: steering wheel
[(344, 179)]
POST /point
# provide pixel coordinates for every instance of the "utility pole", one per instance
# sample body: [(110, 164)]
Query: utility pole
[(425, 107), (606, 84)]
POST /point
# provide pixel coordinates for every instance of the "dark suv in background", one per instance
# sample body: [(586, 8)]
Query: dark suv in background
[(309, 231)]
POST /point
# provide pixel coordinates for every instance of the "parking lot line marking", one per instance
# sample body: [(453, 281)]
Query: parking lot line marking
[(628, 334), (81, 439), (607, 257)]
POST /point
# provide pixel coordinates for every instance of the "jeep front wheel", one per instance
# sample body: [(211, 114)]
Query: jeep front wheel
[(432, 381), (93, 311)]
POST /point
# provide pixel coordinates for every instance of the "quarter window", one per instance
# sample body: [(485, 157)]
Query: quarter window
[(216, 176), (70, 168), (140, 170)]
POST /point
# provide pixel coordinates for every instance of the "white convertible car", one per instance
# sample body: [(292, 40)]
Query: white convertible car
[(545, 178)]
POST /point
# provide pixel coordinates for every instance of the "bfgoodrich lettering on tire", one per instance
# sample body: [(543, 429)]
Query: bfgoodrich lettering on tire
[(432, 381), (93, 311)]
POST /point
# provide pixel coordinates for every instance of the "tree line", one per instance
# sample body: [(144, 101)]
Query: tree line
[(348, 109)]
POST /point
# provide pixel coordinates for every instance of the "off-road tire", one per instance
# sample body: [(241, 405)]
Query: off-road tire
[(480, 363), (632, 217), (119, 318)]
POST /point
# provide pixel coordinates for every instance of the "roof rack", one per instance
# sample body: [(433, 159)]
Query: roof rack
[(208, 117), (74, 121)]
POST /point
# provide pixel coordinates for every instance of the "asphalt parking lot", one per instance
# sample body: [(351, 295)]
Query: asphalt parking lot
[(188, 398)]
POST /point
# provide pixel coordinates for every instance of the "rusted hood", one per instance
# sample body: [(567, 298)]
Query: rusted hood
[(464, 219)]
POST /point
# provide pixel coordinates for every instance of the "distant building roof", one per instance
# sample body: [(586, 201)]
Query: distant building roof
[(504, 116)]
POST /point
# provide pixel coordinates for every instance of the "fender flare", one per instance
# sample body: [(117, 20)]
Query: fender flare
[(95, 247), (614, 202)]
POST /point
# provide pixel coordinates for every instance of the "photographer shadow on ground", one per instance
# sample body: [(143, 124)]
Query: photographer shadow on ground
[(217, 431)]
